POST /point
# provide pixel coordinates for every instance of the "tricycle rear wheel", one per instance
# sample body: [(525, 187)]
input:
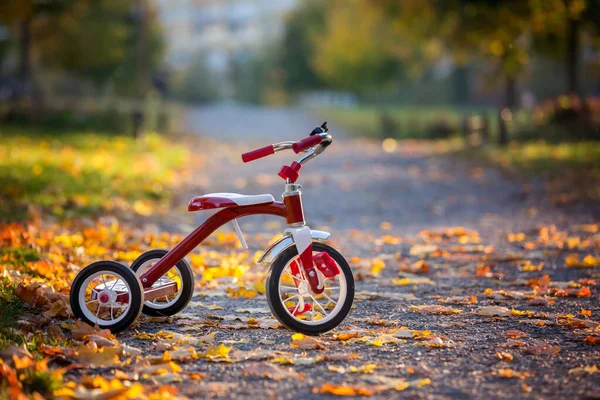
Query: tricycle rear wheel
[(181, 273)]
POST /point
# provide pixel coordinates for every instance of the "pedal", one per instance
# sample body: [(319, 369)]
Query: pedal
[(238, 233), (299, 311), (326, 264)]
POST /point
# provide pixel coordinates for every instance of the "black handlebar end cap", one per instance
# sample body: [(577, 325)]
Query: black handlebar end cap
[(320, 129)]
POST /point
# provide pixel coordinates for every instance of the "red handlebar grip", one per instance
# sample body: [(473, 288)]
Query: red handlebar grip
[(258, 153), (306, 143)]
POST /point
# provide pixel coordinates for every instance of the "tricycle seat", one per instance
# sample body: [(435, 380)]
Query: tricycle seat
[(222, 200)]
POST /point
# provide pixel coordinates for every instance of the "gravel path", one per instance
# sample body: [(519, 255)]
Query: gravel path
[(444, 280)]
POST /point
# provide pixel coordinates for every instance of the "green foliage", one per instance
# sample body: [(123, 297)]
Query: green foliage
[(92, 39), (18, 255), (353, 52), (409, 122), (41, 381), (298, 48), (367, 46), (75, 173), (11, 307)]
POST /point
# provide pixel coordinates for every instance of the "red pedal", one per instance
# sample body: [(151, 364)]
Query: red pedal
[(307, 308), (326, 264)]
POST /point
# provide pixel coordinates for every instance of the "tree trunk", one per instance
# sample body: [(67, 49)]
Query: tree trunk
[(18, 99), (572, 57), (502, 130), (24, 66), (141, 60), (511, 92), (461, 85)]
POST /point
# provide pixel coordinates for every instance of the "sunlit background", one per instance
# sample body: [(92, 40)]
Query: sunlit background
[(384, 68)]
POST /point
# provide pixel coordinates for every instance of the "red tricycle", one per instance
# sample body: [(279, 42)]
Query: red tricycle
[(310, 287)]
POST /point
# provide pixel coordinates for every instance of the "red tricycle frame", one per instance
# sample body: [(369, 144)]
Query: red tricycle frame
[(291, 213)]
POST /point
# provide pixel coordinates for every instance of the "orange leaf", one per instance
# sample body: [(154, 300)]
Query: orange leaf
[(343, 390), (593, 340)]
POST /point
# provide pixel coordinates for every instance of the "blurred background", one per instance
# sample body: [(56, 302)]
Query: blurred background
[(519, 79), (399, 68)]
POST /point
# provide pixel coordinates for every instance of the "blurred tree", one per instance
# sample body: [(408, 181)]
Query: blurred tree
[(355, 51), (197, 84), (94, 39), (558, 25), (20, 16), (294, 66)]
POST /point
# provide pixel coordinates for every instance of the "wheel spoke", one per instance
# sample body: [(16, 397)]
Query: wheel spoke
[(296, 308), (91, 301), (289, 287), (320, 306), (290, 298), (111, 313), (329, 298)]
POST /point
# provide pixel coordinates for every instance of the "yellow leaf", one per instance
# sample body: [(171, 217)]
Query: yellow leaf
[(283, 361), (424, 382), (217, 352), (377, 264), (386, 226), (343, 390)]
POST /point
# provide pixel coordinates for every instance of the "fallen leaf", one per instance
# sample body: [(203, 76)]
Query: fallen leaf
[(435, 310), (344, 390), (82, 330), (493, 311), (300, 341), (586, 370), (510, 373), (271, 371)]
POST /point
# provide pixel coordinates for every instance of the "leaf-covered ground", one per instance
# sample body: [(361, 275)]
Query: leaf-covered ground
[(469, 285)]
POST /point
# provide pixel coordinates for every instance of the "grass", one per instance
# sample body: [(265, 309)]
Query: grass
[(11, 307), (406, 122), (544, 157), (73, 173), (535, 156)]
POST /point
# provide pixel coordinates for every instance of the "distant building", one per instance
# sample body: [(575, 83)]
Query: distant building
[(221, 31)]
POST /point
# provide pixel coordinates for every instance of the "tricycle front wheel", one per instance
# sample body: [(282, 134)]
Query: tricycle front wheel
[(181, 274), (295, 306), (107, 293)]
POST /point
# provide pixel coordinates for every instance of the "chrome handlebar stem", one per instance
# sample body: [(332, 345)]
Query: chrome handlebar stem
[(308, 154)]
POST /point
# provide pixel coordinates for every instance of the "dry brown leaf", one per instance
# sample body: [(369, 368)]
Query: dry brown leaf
[(493, 311), (300, 341), (82, 330), (271, 371), (92, 354), (511, 373), (435, 310)]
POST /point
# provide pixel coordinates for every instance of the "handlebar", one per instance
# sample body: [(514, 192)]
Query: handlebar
[(258, 153), (306, 143), (318, 136)]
